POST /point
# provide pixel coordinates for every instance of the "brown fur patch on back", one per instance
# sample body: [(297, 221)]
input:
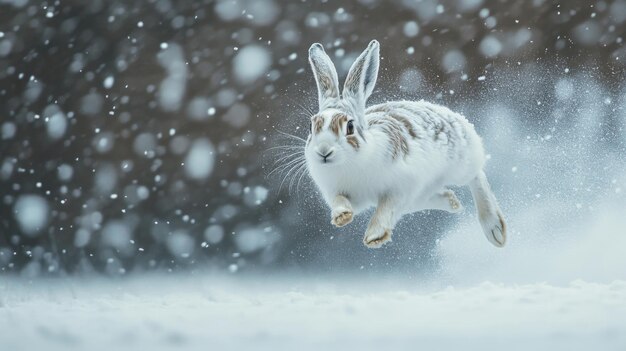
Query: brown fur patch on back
[(407, 124), (337, 121), (398, 141), (394, 132), (318, 123)]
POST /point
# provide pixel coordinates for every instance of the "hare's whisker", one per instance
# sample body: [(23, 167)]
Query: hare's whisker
[(291, 135), (286, 157), (285, 147), (305, 109), (304, 172), (287, 174), (294, 176), (286, 165)]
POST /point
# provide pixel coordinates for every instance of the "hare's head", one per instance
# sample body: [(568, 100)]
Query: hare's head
[(337, 129)]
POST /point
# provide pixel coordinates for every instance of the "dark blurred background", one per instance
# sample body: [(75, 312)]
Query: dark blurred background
[(140, 135)]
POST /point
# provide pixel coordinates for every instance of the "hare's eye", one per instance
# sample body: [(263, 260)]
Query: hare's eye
[(350, 129)]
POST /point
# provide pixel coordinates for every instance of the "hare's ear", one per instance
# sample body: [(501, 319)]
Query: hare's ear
[(325, 76), (362, 75)]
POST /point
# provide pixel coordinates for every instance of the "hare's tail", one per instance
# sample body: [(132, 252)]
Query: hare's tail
[(489, 214)]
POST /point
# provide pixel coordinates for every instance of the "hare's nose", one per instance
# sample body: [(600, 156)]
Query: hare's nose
[(326, 155), (323, 149)]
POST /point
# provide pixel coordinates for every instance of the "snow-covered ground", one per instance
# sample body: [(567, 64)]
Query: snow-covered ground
[(212, 313), (560, 283)]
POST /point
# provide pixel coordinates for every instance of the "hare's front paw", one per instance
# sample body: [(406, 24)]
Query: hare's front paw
[(375, 239), (341, 216)]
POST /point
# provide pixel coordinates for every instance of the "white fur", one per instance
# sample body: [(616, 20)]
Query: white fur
[(445, 150)]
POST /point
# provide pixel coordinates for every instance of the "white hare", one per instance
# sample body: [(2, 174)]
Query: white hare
[(398, 156)]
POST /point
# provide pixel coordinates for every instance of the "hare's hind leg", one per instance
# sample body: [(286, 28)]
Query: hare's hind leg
[(489, 214), (381, 224)]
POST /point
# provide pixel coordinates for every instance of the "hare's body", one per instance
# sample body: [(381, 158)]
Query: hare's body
[(398, 156), (425, 137)]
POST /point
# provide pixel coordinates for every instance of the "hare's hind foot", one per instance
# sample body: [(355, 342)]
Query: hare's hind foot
[(489, 213), (341, 216), (376, 240), (495, 228)]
